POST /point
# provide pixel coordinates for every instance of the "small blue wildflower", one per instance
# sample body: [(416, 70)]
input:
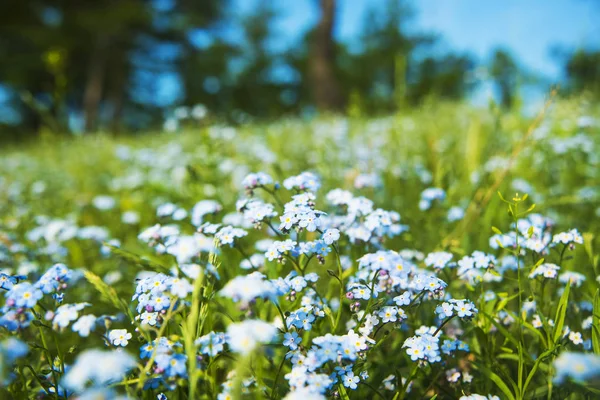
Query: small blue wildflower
[(23, 295), (580, 367), (350, 381), (176, 366), (7, 281), (331, 235), (448, 346), (291, 340)]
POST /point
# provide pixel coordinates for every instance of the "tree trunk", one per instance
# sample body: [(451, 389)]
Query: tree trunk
[(116, 94), (325, 88), (92, 95)]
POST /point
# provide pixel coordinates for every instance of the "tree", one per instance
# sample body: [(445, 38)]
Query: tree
[(325, 87), (445, 77), (583, 72), (76, 56), (504, 72), (378, 71)]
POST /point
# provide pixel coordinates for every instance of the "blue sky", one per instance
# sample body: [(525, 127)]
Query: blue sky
[(529, 28)]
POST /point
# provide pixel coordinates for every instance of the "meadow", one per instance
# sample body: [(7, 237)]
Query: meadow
[(448, 252)]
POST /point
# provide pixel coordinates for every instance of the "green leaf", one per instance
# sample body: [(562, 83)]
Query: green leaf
[(530, 231), (502, 303), (506, 356), (107, 292), (593, 390), (536, 332), (588, 239), (498, 381), (537, 392), (343, 393), (137, 259), (502, 330), (561, 313), (36, 346), (496, 230), (535, 368), (538, 263), (501, 198), (596, 323), (521, 369)]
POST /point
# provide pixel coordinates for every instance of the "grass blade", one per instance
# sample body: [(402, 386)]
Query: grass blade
[(596, 323), (498, 381), (561, 313)]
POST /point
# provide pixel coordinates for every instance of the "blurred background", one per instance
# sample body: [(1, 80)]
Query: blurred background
[(77, 66)]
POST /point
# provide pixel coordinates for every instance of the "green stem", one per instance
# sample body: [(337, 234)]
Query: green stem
[(341, 280), (443, 324), (282, 315), (277, 377), (49, 357)]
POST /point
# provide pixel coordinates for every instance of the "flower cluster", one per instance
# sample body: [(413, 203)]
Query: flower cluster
[(289, 295), (158, 293)]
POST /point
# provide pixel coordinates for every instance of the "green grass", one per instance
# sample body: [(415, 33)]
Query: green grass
[(472, 154)]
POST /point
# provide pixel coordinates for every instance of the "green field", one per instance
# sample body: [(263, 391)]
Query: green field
[(507, 186)]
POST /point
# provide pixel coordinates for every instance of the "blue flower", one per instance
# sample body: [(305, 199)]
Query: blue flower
[(361, 292), (455, 214), (53, 278), (331, 235), (23, 295), (577, 366), (388, 314), (176, 366), (350, 381), (304, 181), (7, 281), (321, 248), (449, 346), (212, 343), (403, 300), (12, 320), (67, 313), (146, 350), (84, 325), (463, 346), (423, 346), (291, 340), (98, 367), (13, 348), (307, 322), (258, 179), (444, 310)]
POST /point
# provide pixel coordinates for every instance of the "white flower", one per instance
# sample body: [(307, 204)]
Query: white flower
[(243, 337), (98, 367), (67, 313), (119, 337), (130, 217), (84, 325), (104, 202), (575, 337)]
